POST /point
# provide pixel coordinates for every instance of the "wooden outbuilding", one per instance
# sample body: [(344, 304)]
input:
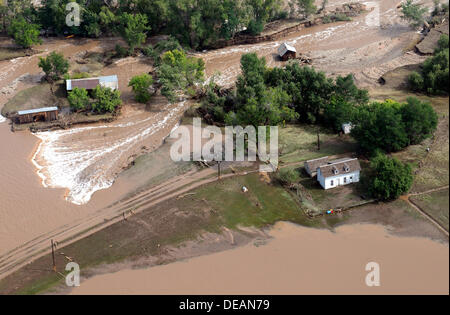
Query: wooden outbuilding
[(286, 52), (38, 114)]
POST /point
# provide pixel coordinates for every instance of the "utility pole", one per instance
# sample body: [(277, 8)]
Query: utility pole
[(318, 140), (53, 256)]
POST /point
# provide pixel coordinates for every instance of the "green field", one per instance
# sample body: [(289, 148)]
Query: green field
[(435, 204), (299, 143)]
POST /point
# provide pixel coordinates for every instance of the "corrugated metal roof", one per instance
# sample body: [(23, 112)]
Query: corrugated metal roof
[(284, 48), (37, 110), (90, 83)]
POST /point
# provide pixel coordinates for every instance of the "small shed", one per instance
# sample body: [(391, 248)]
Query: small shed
[(38, 114), (91, 83), (286, 52)]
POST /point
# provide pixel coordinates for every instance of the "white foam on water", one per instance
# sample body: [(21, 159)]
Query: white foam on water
[(84, 167)]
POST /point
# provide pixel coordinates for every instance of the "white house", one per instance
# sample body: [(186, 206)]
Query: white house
[(338, 173)]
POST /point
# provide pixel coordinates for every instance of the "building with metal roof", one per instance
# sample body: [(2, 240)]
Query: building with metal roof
[(111, 82), (37, 114), (286, 52)]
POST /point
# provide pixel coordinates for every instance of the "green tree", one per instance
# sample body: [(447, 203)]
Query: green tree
[(140, 85), (413, 13), (309, 89), (306, 7), (134, 28), (106, 100), (380, 126), (337, 112), (419, 118), (25, 34), (78, 99), (442, 44), (346, 89), (261, 11), (54, 66), (390, 179), (255, 103), (434, 76), (178, 72)]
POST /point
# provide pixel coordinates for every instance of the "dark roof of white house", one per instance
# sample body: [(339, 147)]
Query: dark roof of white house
[(339, 167), (312, 165)]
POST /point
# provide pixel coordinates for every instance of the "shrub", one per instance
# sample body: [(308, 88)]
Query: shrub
[(77, 75), (121, 52), (433, 78), (415, 82), (140, 85), (78, 99), (288, 176), (413, 13)]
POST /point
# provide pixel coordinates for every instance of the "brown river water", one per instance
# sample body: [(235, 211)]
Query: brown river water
[(50, 180), (297, 260)]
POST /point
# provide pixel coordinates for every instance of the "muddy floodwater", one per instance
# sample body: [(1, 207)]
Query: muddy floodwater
[(297, 260)]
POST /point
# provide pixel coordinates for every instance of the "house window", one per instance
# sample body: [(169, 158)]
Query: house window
[(332, 183), (345, 180)]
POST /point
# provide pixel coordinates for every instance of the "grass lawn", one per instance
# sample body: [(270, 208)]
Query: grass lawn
[(262, 205), (299, 143), (435, 204)]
